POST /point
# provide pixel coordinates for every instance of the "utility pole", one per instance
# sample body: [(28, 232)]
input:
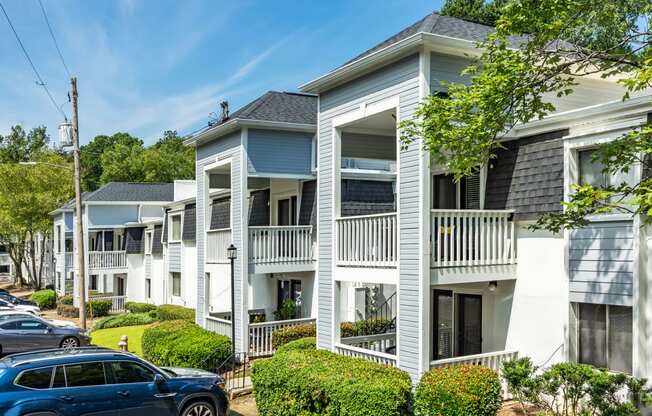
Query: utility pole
[(79, 231)]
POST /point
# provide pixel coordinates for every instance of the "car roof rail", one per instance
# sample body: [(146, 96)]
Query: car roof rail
[(62, 351)]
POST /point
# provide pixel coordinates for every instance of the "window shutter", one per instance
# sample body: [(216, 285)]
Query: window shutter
[(471, 192)]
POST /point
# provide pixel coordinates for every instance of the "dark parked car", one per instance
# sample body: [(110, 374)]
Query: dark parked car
[(28, 334), (104, 382), (16, 301)]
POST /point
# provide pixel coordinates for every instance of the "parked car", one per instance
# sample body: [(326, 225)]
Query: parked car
[(15, 300), (13, 313), (33, 333), (102, 381), (7, 306)]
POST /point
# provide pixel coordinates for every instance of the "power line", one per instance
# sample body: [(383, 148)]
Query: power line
[(54, 39), (38, 76)]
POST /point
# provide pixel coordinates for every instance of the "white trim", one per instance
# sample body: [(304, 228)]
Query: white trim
[(280, 175), (170, 231), (366, 110), (127, 203), (218, 163), (232, 125)]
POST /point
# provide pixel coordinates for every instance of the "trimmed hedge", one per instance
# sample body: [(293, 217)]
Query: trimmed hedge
[(291, 333), (467, 390), (365, 327), (309, 343), (129, 319), (314, 382), (65, 300), (94, 309), (139, 307), (184, 344), (45, 299), (174, 313)]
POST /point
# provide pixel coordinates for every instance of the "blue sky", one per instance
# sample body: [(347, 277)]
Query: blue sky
[(145, 66)]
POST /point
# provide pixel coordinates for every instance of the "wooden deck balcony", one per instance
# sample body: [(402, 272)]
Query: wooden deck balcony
[(367, 241), (107, 260)]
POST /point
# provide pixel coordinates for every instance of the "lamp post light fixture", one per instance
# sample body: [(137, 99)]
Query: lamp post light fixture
[(232, 254)]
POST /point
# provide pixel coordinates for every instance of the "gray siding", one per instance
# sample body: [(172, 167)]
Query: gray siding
[(601, 263), (368, 146), (174, 258), (397, 79), (446, 68), (271, 151)]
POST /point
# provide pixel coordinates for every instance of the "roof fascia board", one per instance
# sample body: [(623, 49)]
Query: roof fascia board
[(127, 203), (213, 133), (278, 125)]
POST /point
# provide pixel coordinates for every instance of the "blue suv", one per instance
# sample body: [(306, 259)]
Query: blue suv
[(98, 381)]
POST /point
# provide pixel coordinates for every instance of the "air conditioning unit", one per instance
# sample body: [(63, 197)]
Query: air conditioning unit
[(65, 134)]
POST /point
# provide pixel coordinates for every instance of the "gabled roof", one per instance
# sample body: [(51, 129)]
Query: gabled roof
[(133, 192)]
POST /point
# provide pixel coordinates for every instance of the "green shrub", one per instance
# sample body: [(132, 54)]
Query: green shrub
[(67, 311), (288, 310), (174, 313), (65, 300), (139, 307), (129, 319), (309, 343), (467, 390), (45, 299), (315, 382), (99, 307), (184, 344), (365, 327), (284, 335)]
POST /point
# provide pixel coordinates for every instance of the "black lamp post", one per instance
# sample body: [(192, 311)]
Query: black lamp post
[(232, 254)]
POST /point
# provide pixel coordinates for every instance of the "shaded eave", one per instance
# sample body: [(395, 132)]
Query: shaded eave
[(238, 123), (404, 47)]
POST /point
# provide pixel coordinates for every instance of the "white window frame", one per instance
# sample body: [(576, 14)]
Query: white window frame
[(149, 240), (172, 284), (171, 238)]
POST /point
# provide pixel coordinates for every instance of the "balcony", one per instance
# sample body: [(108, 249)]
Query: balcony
[(107, 260), (217, 241), (281, 248), (367, 241)]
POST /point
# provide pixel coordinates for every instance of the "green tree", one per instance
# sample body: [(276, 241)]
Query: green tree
[(566, 41), (21, 146), (91, 156), (123, 163), (479, 11)]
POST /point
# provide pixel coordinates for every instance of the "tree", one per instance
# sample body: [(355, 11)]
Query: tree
[(478, 11), (91, 156), (539, 48), (20, 146)]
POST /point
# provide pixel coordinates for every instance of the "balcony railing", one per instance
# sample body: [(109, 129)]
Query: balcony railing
[(379, 342), (471, 238), (375, 356), (217, 241), (280, 244), (107, 260), (260, 335), (117, 302), (219, 325), (367, 240)]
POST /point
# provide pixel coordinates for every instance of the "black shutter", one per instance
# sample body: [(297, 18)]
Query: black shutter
[(189, 223), (157, 247), (470, 189), (134, 243), (308, 209), (361, 197), (108, 241), (259, 208), (221, 213)]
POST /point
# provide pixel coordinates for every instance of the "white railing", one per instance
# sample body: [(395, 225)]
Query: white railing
[(377, 342), (69, 260), (260, 335), (377, 357), (117, 302), (217, 241), (280, 244), (218, 325), (367, 240), (107, 259), (471, 238)]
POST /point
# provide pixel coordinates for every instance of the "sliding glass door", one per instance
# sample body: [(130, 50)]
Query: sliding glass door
[(457, 324)]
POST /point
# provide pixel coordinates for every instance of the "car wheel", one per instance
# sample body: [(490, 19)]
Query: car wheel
[(200, 408), (69, 343)]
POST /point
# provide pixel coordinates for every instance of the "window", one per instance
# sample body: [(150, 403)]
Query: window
[(31, 325), (35, 379), (148, 288), (58, 239), (59, 378), (4, 268), (175, 227), (591, 172), (176, 283), (604, 336), (9, 325), (448, 194), (127, 372), (92, 282), (85, 374), (148, 242), (3, 249)]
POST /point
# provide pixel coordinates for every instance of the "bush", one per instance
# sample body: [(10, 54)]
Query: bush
[(67, 311), (313, 382), (99, 307), (365, 327), (284, 335), (184, 344), (309, 343), (585, 389), (65, 300), (174, 313), (45, 299), (458, 391), (288, 310), (139, 307), (129, 319)]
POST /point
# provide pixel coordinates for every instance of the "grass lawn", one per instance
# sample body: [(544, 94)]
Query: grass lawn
[(110, 337)]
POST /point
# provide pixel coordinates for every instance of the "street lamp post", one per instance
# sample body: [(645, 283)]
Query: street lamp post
[(232, 254)]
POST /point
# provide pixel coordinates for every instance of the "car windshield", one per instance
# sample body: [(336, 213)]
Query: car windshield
[(168, 372)]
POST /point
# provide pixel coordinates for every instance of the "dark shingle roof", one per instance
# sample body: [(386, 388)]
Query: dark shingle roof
[(285, 107), (130, 191), (438, 25)]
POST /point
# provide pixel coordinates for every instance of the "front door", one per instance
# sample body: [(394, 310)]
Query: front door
[(469, 324), (287, 211), (119, 289)]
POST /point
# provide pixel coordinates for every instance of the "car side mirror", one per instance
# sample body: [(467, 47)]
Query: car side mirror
[(159, 379)]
